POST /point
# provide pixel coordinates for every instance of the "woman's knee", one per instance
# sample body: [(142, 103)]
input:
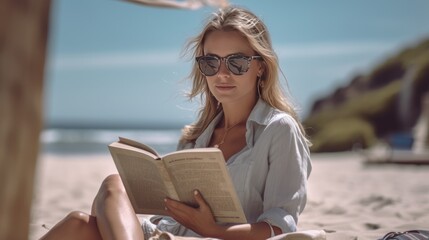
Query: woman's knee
[(111, 187), (112, 184), (82, 225), (76, 225), (77, 219)]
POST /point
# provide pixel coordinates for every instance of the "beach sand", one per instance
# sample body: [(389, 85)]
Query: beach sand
[(346, 198)]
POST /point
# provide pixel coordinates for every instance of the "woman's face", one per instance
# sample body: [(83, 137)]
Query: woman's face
[(224, 85)]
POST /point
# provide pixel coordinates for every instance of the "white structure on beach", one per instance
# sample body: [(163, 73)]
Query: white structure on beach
[(421, 130)]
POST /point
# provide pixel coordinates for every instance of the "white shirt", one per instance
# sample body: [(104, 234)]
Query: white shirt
[(270, 173)]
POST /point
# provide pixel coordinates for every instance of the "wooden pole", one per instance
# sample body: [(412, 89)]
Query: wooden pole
[(23, 39)]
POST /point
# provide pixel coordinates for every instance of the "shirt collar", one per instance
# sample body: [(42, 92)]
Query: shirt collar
[(261, 115), (204, 139)]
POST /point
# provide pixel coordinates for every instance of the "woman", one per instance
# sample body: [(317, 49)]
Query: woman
[(246, 115)]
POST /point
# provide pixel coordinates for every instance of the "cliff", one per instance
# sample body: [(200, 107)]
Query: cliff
[(374, 105)]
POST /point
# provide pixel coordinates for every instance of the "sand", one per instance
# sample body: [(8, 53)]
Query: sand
[(346, 198)]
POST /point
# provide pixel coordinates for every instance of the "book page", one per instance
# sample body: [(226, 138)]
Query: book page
[(205, 170), (140, 145), (145, 179)]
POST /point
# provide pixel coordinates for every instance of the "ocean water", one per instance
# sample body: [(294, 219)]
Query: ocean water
[(95, 141)]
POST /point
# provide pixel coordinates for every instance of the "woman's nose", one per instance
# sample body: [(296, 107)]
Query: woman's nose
[(223, 69)]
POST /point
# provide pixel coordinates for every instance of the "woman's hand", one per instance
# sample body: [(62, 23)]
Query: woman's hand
[(200, 219)]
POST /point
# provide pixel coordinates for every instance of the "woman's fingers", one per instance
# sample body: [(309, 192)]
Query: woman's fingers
[(194, 218), (203, 206)]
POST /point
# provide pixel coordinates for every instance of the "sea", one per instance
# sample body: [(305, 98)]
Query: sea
[(96, 141)]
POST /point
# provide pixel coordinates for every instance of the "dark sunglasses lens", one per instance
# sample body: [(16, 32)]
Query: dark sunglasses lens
[(238, 65), (209, 66)]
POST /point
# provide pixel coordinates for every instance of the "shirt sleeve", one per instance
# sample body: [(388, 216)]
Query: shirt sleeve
[(285, 193)]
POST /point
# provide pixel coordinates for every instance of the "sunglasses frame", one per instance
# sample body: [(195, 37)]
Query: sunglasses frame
[(226, 61)]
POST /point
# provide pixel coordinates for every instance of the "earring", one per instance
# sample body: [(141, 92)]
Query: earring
[(261, 83)]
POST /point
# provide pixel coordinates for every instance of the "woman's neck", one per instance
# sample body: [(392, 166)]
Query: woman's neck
[(235, 113)]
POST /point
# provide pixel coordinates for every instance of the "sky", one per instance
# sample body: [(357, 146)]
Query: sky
[(117, 64)]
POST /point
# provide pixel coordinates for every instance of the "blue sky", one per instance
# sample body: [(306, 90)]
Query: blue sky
[(115, 63)]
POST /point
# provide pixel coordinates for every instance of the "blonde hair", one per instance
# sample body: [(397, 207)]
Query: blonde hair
[(251, 27)]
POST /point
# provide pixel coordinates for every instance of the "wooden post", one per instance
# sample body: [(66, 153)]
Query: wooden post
[(23, 38)]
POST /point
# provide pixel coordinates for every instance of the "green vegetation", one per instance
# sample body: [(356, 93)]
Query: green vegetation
[(343, 135)]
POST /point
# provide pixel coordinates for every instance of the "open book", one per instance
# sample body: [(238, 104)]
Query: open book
[(149, 178)]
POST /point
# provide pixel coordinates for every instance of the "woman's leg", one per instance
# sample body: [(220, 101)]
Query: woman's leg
[(114, 213), (76, 225)]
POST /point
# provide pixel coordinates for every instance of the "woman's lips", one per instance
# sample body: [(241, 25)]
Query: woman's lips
[(225, 87)]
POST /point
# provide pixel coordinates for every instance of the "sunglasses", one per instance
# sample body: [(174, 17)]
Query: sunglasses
[(237, 64)]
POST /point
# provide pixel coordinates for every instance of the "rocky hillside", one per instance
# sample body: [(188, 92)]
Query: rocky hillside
[(373, 105)]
